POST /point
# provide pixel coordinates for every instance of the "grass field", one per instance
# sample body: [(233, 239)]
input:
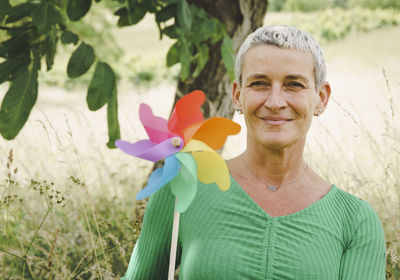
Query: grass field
[(68, 206)]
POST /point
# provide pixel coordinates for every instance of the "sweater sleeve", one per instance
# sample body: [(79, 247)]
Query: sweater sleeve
[(150, 257), (364, 257)]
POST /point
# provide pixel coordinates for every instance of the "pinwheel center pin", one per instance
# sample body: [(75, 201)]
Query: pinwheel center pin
[(176, 142)]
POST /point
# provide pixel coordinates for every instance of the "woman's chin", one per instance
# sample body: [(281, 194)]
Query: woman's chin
[(278, 140)]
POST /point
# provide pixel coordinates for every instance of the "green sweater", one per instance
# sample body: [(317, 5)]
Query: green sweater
[(226, 235)]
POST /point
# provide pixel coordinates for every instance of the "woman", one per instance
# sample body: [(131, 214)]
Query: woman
[(279, 219)]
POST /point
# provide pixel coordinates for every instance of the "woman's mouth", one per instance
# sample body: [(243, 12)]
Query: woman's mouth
[(276, 120)]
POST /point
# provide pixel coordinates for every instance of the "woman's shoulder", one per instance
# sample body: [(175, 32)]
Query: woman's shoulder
[(354, 209)]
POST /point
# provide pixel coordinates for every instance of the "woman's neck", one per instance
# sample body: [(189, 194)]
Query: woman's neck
[(275, 165)]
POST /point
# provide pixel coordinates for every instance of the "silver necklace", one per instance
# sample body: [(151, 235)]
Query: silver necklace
[(272, 188)]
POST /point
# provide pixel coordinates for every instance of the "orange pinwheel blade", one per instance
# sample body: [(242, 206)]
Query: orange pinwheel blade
[(191, 130), (186, 112), (213, 132)]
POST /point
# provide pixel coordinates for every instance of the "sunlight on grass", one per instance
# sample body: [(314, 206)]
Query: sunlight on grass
[(67, 202)]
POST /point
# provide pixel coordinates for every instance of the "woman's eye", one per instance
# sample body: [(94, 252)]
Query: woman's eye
[(257, 84), (295, 84)]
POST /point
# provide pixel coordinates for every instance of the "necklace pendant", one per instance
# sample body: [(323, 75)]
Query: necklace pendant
[(272, 188)]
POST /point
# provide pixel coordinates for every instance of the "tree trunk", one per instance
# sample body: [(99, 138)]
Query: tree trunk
[(241, 17)]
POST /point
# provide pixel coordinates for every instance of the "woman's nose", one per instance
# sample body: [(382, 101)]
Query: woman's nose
[(275, 99)]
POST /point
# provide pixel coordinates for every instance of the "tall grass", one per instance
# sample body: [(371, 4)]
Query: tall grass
[(366, 163), (84, 225), (67, 206)]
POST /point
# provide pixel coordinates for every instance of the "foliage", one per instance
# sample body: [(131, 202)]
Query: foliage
[(374, 4), (335, 24), (305, 5), (34, 28), (314, 5)]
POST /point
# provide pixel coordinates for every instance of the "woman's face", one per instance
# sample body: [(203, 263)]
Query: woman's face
[(278, 95)]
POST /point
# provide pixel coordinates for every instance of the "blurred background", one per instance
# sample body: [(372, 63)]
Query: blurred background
[(71, 200)]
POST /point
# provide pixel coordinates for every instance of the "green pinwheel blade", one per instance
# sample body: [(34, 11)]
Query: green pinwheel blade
[(184, 186)]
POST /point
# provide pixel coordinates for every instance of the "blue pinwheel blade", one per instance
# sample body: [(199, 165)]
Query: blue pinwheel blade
[(160, 177)]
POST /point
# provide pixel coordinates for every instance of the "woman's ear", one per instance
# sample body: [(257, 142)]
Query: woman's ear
[(236, 95), (324, 94)]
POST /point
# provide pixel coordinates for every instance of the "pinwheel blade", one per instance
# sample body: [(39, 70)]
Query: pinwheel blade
[(156, 127), (196, 146), (213, 131), (186, 112), (211, 167), (148, 150), (184, 186), (160, 177)]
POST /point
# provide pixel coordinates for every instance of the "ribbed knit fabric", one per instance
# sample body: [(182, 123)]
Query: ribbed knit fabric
[(226, 235)]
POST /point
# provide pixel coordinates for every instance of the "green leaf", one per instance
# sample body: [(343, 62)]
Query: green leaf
[(112, 120), (170, 31), (101, 87), (68, 37), (127, 18), (11, 68), (184, 15), (51, 42), (124, 19), (166, 13), (15, 47), (202, 30), (4, 9), (19, 12), (197, 12), (184, 59), (228, 57), (17, 103), (136, 11), (173, 55), (201, 59), (81, 60), (219, 33), (76, 9), (44, 16)]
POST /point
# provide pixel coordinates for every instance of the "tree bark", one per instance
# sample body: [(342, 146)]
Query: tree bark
[(241, 17)]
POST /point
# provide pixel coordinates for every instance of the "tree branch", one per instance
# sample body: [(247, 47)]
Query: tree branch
[(2, 27)]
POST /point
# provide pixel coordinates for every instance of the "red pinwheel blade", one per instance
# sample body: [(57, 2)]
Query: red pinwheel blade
[(187, 112)]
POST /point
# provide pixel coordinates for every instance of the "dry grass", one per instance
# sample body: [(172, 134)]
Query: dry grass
[(67, 207)]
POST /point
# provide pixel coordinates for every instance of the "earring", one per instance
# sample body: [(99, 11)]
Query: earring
[(319, 112), (239, 110)]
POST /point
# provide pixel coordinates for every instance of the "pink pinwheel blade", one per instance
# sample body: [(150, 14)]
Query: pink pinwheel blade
[(156, 127), (146, 149)]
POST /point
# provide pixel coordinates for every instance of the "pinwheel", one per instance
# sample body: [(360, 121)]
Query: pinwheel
[(188, 143)]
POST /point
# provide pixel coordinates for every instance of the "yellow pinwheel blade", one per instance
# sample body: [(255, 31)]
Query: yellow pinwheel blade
[(212, 168), (196, 146)]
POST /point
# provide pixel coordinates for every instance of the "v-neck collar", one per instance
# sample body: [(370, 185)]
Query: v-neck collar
[(327, 196)]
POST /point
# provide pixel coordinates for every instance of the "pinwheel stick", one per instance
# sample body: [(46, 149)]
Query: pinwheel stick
[(174, 243)]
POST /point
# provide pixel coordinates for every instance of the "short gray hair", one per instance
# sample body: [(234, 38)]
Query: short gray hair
[(287, 37)]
